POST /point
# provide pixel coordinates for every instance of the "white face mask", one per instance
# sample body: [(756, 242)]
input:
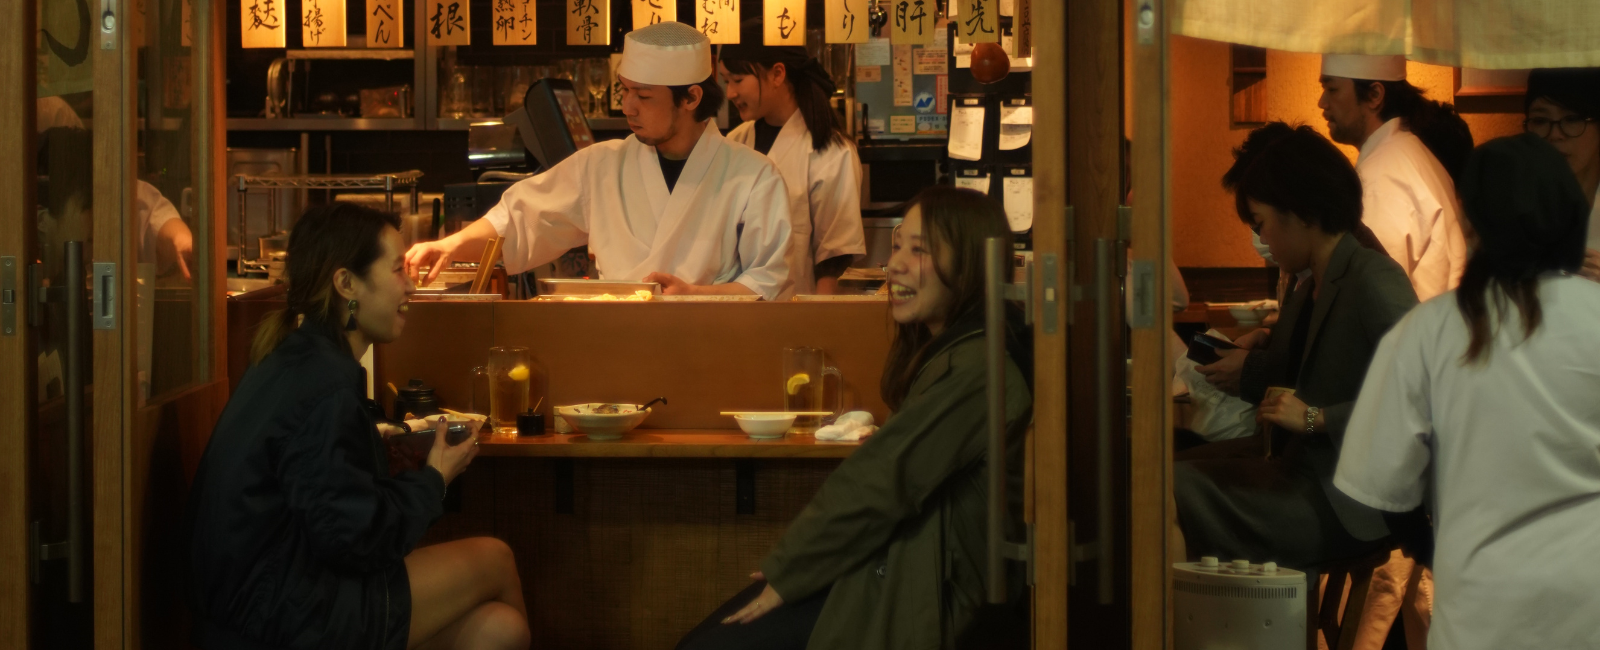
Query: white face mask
[(1262, 249)]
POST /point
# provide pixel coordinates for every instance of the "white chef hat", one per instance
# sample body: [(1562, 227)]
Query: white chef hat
[(668, 53), (1371, 67)]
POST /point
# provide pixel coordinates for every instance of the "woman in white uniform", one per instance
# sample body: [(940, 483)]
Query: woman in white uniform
[(782, 94), (1563, 106), (1483, 401), (674, 203)]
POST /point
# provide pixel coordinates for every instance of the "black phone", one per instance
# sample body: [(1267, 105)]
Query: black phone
[(1203, 349)]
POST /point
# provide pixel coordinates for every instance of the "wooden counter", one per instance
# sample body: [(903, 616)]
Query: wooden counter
[(664, 443)]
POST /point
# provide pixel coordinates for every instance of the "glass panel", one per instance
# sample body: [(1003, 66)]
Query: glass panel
[(170, 314)]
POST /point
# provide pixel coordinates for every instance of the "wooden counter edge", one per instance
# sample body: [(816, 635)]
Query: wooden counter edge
[(663, 443)]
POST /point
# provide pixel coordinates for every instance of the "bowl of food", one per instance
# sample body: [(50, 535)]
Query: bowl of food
[(764, 426), (1250, 314), (603, 420)]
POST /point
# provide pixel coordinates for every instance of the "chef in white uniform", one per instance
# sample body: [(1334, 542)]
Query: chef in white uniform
[(674, 203), (1409, 199), (782, 94)]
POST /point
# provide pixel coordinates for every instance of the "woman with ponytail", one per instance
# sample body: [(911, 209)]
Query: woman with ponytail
[(300, 537), (782, 94), (1485, 403)]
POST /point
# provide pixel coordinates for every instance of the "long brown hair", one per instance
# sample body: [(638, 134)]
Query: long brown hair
[(810, 97), (958, 221), (1531, 218), (325, 239)]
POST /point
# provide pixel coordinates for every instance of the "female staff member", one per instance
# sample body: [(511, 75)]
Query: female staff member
[(1486, 401), (1563, 106), (300, 537), (890, 553), (782, 94)]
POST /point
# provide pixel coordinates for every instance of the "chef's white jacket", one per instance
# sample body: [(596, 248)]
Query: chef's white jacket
[(824, 197), (1508, 451), (726, 219), (1409, 202)]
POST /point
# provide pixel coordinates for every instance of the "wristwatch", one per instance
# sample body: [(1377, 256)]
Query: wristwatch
[(1311, 418)]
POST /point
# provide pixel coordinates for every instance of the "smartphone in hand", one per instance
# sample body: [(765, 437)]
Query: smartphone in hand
[(1203, 349)]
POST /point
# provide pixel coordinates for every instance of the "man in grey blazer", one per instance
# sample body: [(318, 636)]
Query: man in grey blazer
[(1302, 195)]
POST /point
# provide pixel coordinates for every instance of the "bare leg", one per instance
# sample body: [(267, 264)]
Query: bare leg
[(470, 588)]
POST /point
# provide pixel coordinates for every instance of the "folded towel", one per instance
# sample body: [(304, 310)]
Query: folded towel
[(850, 427)]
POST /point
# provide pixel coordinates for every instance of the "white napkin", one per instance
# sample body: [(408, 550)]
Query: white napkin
[(850, 427)]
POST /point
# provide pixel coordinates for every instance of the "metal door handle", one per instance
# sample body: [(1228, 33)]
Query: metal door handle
[(1105, 392), (996, 269), (73, 383)]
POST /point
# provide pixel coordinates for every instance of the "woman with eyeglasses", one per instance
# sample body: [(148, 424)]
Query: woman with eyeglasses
[(1563, 105)]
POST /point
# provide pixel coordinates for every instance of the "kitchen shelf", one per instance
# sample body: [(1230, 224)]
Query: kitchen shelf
[(664, 443), (351, 54), (595, 123), (323, 181), (323, 124)]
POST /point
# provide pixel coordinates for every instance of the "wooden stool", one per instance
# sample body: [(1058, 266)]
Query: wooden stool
[(1337, 623)]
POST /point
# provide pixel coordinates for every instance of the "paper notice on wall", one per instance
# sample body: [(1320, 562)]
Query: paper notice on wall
[(979, 183), (1016, 126), (966, 132), (873, 52), (869, 73), (929, 61), (1018, 192), (902, 76), (963, 54), (902, 124)]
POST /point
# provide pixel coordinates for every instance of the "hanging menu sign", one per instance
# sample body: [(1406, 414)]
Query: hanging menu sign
[(588, 22), (650, 12), (515, 22), (978, 22), (386, 20), (785, 22), (1022, 27), (913, 22), (449, 22), (322, 23), (261, 23), (718, 20), (187, 31), (847, 21)]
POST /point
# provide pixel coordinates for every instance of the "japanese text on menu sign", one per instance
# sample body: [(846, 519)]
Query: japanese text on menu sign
[(450, 22), (1022, 27), (261, 23), (588, 22), (785, 22), (515, 22), (847, 21), (385, 22), (651, 12), (323, 23), (718, 20), (978, 22), (912, 22)]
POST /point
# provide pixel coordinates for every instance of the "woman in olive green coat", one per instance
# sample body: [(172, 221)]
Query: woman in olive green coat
[(890, 552)]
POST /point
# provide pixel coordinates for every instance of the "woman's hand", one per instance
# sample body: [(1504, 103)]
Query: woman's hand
[(1287, 411), (435, 254), (449, 460), (764, 603), (1591, 265)]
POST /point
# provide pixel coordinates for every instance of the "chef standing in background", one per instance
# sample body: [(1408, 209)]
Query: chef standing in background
[(782, 95), (1411, 148), (674, 203)]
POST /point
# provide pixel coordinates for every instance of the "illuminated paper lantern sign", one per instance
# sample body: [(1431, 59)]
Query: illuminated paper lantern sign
[(912, 22), (650, 12), (515, 22), (785, 22), (718, 20), (261, 23), (978, 21), (449, 22), (847, 21), (588, 22), (386, 20), (322, 23)]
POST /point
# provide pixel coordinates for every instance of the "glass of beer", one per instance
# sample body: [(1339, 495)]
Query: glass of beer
[(803, 373), (510, 374)]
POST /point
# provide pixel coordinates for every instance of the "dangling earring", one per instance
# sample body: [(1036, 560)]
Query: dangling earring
[(351, 326)]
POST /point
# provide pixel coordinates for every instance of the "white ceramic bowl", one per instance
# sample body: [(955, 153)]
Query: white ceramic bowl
[(602, 426), (765, 426), (1248, 316)]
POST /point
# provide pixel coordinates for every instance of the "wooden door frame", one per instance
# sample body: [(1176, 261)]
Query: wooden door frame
[(1150, 501), (17, 366)]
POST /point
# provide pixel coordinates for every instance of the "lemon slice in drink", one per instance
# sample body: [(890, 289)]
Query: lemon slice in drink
[(519, 373), (797, 381)]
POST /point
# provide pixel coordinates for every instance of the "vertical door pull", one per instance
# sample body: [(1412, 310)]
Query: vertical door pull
[(105, 296)]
